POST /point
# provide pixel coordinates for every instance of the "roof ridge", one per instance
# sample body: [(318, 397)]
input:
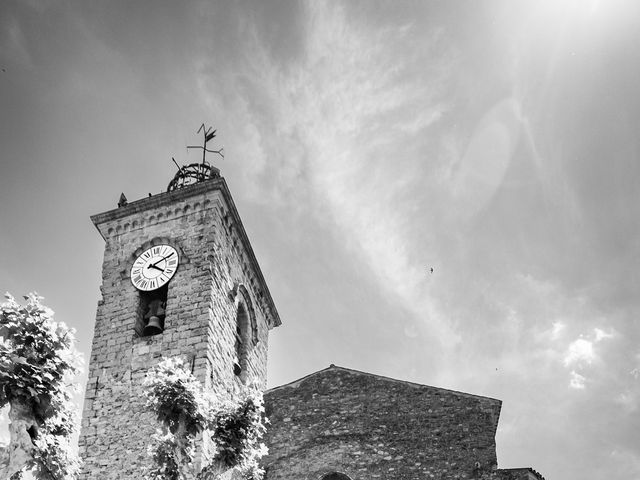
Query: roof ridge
[(295, 383)]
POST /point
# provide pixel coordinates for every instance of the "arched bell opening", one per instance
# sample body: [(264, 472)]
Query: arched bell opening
[(152, 310)]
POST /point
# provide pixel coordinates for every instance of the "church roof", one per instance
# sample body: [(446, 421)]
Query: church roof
[(336, 368)]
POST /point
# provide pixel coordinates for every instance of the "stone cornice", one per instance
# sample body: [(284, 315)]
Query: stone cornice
[(164, 199)]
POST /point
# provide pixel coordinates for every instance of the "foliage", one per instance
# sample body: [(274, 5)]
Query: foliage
[(181, 408), (184, 410), (176, 397), (237, 431), (166, 463), (37, 361)]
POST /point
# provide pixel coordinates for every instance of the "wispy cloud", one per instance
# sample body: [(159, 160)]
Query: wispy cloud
[(558, 328), (629, 400), (577, 381), (350, 116), (580, 352), (384, 134), (14, 46)]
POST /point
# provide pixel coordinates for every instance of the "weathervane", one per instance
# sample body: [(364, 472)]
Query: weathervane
[(208, 135), (196, 172)]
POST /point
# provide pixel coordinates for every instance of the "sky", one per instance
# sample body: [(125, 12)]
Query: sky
[(365, 143)]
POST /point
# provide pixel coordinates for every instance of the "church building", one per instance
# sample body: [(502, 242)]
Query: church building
[(180, 278)]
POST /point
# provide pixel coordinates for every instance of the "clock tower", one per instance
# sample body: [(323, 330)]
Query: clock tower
[(179, 278)]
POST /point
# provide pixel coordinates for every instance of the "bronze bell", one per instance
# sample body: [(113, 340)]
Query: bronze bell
[(154, 325)]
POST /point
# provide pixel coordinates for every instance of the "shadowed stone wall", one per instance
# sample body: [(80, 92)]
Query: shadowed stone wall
[(367, 426)]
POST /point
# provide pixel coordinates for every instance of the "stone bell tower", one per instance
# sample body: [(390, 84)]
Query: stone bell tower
[(179, 278)]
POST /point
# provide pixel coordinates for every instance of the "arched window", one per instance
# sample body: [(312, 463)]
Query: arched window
[(246, 335), (242, 342), (336, 476)]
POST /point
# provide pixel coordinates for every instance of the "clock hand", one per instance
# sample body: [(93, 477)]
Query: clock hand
[(154, 266), (163, 258)]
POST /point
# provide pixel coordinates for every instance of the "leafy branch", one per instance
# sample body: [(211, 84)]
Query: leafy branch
[(184, 410), (38, 359)]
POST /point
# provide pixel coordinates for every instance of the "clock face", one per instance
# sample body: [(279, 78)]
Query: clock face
[(154, 267)]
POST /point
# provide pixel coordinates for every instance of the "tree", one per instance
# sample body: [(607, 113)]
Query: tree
[(184, 410), (38, 360)]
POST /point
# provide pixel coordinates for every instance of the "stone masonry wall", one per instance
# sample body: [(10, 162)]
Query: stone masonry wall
[(366, 426), (199, 324)]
